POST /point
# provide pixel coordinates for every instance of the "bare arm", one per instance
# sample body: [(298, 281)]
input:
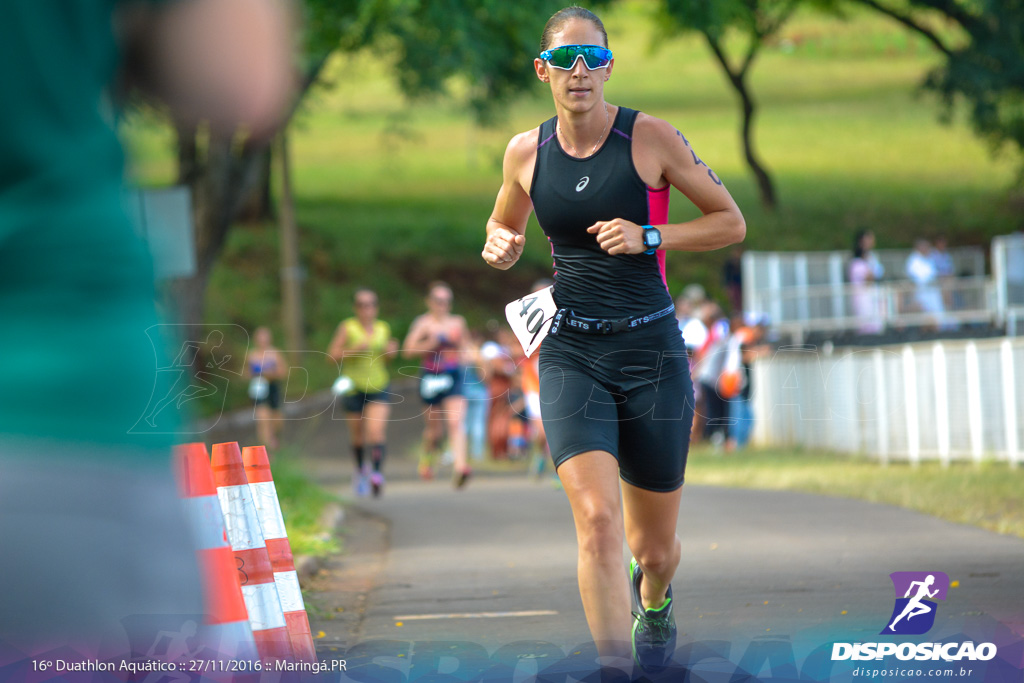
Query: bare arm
[(506, 228), (464, 346), (279, 371), (664, 155), (336, 349), (421, 339)]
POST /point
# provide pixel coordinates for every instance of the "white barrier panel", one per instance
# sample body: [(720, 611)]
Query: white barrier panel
[(946, 401)]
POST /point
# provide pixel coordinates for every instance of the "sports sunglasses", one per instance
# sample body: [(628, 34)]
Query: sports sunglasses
[(565, 56)]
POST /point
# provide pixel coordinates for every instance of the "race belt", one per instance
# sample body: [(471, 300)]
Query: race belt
[(566, 319)]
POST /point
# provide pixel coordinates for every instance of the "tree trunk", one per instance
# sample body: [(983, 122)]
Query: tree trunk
[(220, 183), (738, 80), (188, 156), (258, 206), (291, 268), (764, 182)]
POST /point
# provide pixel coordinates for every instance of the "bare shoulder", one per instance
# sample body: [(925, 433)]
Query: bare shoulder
[(658, 133), (522, 147)]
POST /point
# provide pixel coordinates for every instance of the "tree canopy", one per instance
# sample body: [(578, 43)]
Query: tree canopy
[(487, 44), (982, 43), (755, 21)]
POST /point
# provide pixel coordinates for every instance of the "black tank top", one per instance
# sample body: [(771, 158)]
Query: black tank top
[(569, 195)]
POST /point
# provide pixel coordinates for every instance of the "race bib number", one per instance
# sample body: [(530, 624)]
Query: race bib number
[(432, 386), (530, 318), (259, 388)]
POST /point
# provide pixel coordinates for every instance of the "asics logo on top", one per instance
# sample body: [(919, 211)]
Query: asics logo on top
[(582, 184), (914, 611)]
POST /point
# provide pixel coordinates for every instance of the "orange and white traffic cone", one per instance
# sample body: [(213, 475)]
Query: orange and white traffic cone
[(227, 623), (268, 507), (266, 617)]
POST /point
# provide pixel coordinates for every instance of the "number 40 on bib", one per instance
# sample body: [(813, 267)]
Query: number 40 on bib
[(530, 318)]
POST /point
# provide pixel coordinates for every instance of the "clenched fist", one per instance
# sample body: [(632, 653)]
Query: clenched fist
[(619, 236), (503, 247)]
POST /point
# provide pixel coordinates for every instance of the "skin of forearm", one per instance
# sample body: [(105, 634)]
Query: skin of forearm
[(707, 233)]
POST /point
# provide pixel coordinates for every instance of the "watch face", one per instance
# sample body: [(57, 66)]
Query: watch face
[(652, 237)]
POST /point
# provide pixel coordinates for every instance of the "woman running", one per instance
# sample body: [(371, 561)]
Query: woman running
[(438, 337), (266, 370), (615, 390), (362, 345)]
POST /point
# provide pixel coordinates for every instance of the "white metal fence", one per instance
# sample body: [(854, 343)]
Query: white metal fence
[(874, 307), (774, 270), (1008, 274), (806, 292), (949, 400)]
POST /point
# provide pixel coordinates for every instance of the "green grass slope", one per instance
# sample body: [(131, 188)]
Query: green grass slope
[(392, 195)]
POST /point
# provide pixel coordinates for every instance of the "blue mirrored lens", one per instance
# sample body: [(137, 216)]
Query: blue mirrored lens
[(565, 56)]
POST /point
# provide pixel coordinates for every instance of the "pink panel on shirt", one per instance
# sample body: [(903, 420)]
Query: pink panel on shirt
[(657, 214)]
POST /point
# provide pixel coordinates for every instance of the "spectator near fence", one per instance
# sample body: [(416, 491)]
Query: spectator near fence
[(497, 354), (945, 269), (712, 406), (863, 272), (749, 342), (732, 279), (921, 270), (477, 396)]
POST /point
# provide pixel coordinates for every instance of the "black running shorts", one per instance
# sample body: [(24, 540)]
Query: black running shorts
[(628, 394), (356, 401)]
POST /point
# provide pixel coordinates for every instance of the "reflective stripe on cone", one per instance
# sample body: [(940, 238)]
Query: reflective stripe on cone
[(252, 561), (226, 625), (268, 508)]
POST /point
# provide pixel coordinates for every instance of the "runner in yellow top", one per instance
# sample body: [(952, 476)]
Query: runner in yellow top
[(363, 344)]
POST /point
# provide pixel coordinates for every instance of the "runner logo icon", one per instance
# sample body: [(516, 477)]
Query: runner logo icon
[(580, 186), (915, 609)]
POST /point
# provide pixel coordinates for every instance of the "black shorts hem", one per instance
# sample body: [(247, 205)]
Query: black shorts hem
[(655, 489), (355, 403), (562, 459)]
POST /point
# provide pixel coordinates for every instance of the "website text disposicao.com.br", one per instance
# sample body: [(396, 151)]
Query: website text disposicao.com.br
[(954, 672), (967, 652)]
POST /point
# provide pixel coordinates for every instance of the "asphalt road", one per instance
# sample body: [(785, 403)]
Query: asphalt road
[(495, 564)]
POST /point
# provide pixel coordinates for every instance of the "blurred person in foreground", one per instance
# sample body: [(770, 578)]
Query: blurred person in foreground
[(89, 513)]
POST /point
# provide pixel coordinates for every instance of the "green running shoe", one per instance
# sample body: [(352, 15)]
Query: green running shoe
[(654, 630)]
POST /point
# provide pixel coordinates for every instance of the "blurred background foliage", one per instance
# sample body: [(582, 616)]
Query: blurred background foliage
[(904, 118)]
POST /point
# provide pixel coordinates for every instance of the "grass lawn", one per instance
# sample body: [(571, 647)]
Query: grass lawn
[(302, 506), (989, 496)]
